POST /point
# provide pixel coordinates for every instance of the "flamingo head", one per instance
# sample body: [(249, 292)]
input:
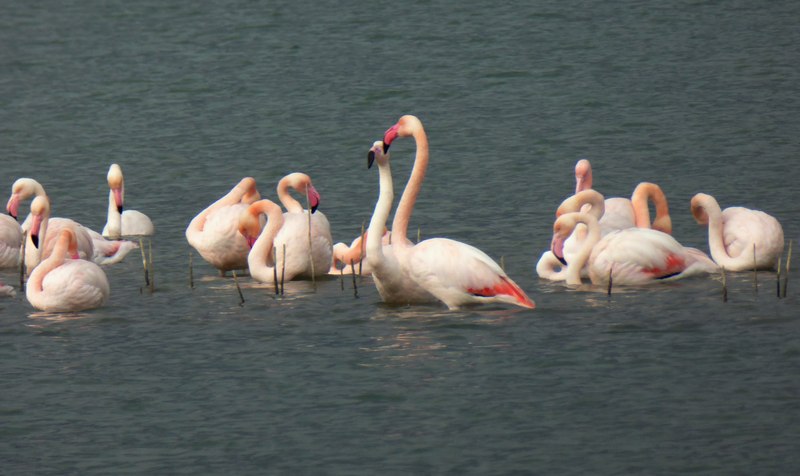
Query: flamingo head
[(117, 185), (378, 152), (40, 209), (313, 197), (13, 205), (250, 194), (389, 136), (250, 225), (699, 210), (583, 175), (562, 229)]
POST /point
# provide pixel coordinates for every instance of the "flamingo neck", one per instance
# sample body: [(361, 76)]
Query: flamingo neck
[(287, 200), (56, 259), (114, 219), (716, 242), (377, 223), (643, 193), (582, 256), (260, 259), (33, 254), (231, 198), (409, 198)]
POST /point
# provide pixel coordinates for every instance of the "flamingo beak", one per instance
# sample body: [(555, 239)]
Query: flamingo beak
[(35, 239), (13, 206), (557, 247), (370, 158), (313, 198), (118, 199), (389, 136), (251, 241)]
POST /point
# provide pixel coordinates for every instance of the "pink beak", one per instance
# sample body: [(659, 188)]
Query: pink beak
[(13, 206), (118, 198)]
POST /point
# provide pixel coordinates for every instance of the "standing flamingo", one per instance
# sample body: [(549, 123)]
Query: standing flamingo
[(214, 232), (453, 272), (59, 284), (123, 223), (294, 232), (739, 238), (630, 256), (104, 251), (621, 213), (10, 242)]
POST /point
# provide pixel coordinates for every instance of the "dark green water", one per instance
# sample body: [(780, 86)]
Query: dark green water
[(191, 96)]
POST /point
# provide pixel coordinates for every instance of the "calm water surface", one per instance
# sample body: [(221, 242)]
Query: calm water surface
[(191, 96)]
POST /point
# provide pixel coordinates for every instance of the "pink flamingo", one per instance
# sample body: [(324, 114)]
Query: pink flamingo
[(261, 261), (119, 222), (214, 232), (105, 252), (59, 284), (294, 232), (739, 238), (453, 272), (352, 258), (630, 256), (549, 266), (45, 232), (621, 213), (10, 242)]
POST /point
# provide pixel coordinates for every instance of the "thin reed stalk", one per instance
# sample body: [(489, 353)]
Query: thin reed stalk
[(786, 275), (310, 247), (724, 285), (22, 261), (239, 289), (191, 271), (275, 269), (283, 268)]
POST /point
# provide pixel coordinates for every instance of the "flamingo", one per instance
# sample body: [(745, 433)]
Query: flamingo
[(452, 272), (119, 222), (621, 213), (346, 258), (59, 284), (214, 232), (10, 241), (554, 269), (44, 233), (294, 232), (105, 252), (260, 260), (630, 256), (739, 238)]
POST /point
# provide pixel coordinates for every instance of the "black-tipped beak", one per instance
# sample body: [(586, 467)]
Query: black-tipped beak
[(119, 209), (13, 216), (370, 158), (35, 240), (314, 208), (386, 147), (563, 261)]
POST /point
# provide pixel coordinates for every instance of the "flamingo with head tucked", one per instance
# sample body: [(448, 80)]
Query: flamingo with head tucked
[(59, 284), (453, 272), (104, 251), (621, 213), (10, 242), (739, 238), (294, 234), (122, 222), (630, 256), (264, 264), (352, 258), (214, 232)]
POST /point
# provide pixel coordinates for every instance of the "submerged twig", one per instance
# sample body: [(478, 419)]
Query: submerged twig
[(778, 277), (144, 264), (724, 285), (236, 280), (150, 265), (191, 272), (22, 261), (788, 262), (283, 268), (355, 286), (610, 280), (275, 269)]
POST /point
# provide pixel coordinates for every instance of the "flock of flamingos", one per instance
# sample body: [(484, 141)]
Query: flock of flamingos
[(595, 238)]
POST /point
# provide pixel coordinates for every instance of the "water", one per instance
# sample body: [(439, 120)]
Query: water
[(189, 97)]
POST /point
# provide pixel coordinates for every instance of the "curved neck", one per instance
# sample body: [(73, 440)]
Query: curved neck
[(260, 259), (639, 200), (287, 200), (582, 256), (245, 188), (716, 241), (576, 203), (33, 254), (377, 223), (114, 218), (56, 259), (402, 215)]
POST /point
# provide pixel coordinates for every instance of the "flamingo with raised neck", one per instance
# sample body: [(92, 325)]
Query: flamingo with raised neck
[(121, 222)]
